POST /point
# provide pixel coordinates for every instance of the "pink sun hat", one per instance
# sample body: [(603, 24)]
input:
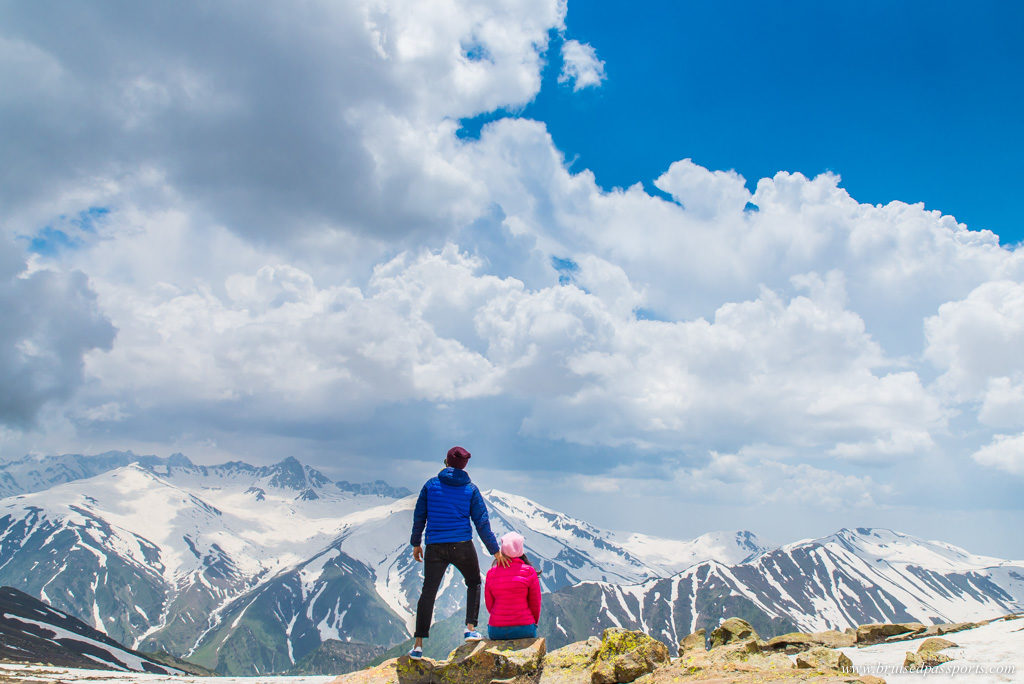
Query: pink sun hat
[(512, 545)]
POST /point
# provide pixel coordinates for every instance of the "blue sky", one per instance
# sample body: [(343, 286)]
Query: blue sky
[(915, 101), (371, 229)]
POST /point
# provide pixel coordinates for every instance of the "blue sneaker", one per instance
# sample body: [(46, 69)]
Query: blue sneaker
[(416, 653), (473, 635)]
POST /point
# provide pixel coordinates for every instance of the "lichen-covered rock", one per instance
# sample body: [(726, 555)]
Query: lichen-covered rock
[(798, 642), (934, 645), (945, 628), (385, 673), (484, 661), (928, 654), (625, 655), (793, 642), (697, 641), (822, 658), (878, 632), (732, 629), (512, 662), (922, 661), (830, 638), (572, 664)]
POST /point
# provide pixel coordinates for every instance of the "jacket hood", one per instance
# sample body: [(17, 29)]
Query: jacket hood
[(453, 477)]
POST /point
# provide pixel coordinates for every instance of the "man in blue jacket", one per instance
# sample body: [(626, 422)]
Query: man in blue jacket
[(446, 505)]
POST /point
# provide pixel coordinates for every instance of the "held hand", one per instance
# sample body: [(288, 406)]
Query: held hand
[(417, 554), (501, 559)]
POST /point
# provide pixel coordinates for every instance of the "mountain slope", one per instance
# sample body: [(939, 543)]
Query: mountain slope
[(36, 473), (31, 631), (271, 629), (254, 569), (154, 558), (848, 578)]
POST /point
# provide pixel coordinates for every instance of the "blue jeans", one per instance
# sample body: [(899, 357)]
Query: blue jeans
[(516, 632)]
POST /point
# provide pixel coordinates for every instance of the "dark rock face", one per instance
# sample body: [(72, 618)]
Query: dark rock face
[(31, 631)]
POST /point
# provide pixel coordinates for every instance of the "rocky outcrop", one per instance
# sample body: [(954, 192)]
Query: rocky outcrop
[(625, 656), (619, 656), (822, 658), (696, 641), (572, 664), (798, 642), (928, 655), (731, 631), (517, 661), (878, 632), (736, 654)]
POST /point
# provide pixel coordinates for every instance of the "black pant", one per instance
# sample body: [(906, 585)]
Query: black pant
[(436, 559)]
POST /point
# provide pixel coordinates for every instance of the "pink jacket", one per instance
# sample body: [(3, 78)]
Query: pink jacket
[(512, 595)]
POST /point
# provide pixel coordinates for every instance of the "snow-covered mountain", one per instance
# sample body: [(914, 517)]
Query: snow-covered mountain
[(314, 602), (34, 632), (195, 559), (34, 473), (250, 569), (148, 558), (851, 577)]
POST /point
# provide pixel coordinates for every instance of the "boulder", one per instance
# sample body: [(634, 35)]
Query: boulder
[(515, 660), (798, 642), (878, 632), (385, 673), (946, 628), (572, 664), (625, 655), (928, 654), (793, 642), (833, 639), (822, 658), (934, 645), (732, 630), (922, 661), (693, 642), (409, 671)]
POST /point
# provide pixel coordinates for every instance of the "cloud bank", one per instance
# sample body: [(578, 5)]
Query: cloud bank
[(299, 251)]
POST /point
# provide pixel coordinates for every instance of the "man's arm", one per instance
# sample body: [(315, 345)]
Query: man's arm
[(478, 511), (419, 518)]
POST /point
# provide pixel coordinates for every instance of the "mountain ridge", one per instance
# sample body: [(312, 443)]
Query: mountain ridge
[(252, 569)]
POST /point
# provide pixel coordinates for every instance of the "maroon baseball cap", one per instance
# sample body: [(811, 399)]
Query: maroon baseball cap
[(458, 457)]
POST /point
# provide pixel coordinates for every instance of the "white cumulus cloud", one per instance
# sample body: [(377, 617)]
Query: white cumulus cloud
[(581, 66), (1004, 452)]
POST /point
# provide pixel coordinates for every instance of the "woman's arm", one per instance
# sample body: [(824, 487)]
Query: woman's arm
[(489, 592), (533, 597)]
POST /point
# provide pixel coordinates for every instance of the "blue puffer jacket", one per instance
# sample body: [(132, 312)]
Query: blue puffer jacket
[(446, 505)]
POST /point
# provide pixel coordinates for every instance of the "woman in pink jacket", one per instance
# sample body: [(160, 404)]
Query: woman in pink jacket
[(512, 594)]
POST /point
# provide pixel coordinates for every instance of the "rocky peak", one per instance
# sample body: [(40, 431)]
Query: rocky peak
[(288, 474)]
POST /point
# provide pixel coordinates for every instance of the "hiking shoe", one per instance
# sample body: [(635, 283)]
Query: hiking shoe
[(416, 653), (473, 635)]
